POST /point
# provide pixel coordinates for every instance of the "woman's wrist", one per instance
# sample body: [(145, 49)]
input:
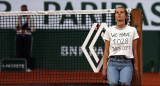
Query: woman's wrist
[(104, 69)]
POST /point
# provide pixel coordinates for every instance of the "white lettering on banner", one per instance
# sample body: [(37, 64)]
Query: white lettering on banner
[(80, 51), (13, 65), (64, 51), (77, 51), (150, 17), (73, 51)]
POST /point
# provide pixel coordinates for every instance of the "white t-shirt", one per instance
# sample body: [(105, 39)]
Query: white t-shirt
[(121, 40)]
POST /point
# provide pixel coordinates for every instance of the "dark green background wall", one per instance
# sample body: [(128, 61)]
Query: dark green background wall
[(46, 50), (151, 50)]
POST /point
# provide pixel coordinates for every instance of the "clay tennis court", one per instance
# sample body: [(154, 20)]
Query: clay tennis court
[(40, 77)]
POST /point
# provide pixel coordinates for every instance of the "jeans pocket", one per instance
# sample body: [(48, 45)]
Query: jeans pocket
[(111, 62)]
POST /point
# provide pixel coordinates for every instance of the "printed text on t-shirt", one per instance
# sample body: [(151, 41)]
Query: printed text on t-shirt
[(119, 39)]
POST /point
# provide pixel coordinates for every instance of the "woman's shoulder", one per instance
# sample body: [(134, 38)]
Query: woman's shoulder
[(131, 27), (111, 27)]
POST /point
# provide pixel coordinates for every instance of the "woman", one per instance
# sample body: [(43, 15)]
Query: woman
[(120, 50)]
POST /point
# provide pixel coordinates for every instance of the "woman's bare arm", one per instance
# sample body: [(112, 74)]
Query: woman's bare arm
[(105, 59)]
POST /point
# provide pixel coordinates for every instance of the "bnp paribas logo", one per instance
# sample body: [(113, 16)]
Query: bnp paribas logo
[(91, 46)]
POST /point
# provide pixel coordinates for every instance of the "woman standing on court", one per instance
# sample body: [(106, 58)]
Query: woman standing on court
[(120, 50)]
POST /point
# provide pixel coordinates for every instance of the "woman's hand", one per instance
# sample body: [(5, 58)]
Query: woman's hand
[(104, 75), (136, 71)]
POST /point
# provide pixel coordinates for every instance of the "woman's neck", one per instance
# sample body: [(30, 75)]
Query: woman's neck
[(120, 25)]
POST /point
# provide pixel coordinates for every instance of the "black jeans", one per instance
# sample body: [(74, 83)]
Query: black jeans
[(23, 48)]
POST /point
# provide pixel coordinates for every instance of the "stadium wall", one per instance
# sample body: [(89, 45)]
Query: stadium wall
[(47, 47), (151, 29)]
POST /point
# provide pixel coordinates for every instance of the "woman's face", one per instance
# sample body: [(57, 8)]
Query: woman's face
[(120, 14)]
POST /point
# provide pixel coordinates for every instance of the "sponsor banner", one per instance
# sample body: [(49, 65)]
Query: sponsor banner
[(150, 9), (13, 64)]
